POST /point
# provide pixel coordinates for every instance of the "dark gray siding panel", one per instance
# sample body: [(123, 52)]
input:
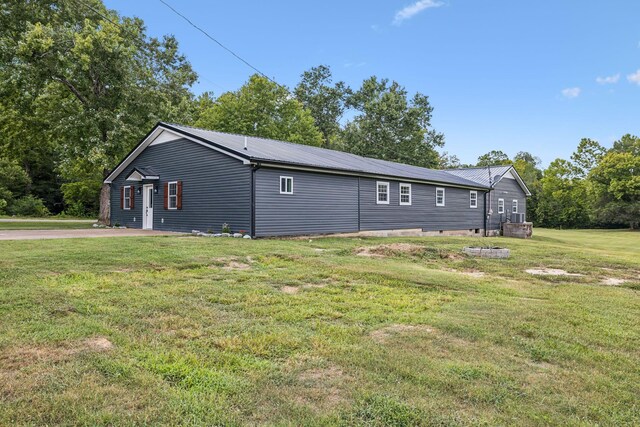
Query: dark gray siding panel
[(422, 213), (320, 203), (216, 189), (507, 189)]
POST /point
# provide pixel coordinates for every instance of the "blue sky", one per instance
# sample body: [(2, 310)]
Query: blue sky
[(503, 74)]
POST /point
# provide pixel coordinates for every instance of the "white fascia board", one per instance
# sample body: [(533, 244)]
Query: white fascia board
[(163, 135)]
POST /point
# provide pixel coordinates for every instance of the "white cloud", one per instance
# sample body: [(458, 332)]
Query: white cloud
[(410, 11), (635, 77), (571, 92), (608, 79)]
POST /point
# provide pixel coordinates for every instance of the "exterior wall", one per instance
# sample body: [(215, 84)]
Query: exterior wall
[(507, 189), (320, 203), (215, 189), (423, 212)]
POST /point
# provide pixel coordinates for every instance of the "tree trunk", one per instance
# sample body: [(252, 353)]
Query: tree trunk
[(104, 216)]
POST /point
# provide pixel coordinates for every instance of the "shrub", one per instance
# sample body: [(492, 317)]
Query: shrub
[(28, 206), (226, 228), (74, 209)]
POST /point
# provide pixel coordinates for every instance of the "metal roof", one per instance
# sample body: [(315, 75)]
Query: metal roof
[(481, 174), (280, 152)]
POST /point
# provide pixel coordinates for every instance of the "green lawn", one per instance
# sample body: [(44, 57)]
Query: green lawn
[(45, 225), (200, 331)]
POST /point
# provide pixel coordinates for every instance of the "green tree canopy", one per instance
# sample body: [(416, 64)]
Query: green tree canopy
[(615, 183), (261, 108), (493, 158), (563, 198), (391, 126), (94, 80), (325, 101), (587, 155)]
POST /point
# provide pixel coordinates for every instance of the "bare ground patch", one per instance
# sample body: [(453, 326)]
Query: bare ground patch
[(232, 263), (321, 388), (383, 334), (612, 281), (551, 272), (13, 359), (290, 290)]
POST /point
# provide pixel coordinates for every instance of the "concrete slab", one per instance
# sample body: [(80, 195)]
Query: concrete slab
[(76, 234)]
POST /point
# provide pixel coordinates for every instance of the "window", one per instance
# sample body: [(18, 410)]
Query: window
[(514, 206), (500, 206), (127, 198), (473, 199), (173, 195), (286, 185), (439, 196), (382, 193), (405, 194)]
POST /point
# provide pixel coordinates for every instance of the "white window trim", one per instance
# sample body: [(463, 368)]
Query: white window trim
[(378, 184), (443, 196), (285, 186), (402, 184), (169, 196), (500, 206), (125, 198), (514, 204), (471, 199)]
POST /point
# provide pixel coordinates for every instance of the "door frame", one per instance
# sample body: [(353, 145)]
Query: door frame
[(147, 223)]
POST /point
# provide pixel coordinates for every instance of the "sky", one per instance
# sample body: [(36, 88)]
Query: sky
[(504, 75)]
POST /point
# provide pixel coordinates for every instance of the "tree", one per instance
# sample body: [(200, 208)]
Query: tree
[(97, 82), (563, 198), (448, 161), (586, 156), (615, 183), (526, 164), (14, 183), (493, 158), (261, 108), (325, 101), (390, 126)]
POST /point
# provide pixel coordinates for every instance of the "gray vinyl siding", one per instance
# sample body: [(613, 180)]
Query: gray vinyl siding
[(320, 203), (422, 213), (507, 189), (216, 188)]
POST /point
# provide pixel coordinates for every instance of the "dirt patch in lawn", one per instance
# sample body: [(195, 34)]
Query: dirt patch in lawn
[(290, 289), (231, 263), (382, 335), (612, 281), (390, 249), (321, 388), (551, 272), (13, 359)]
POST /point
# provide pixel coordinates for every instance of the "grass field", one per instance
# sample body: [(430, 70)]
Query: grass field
[(197, 331), (44, 225)]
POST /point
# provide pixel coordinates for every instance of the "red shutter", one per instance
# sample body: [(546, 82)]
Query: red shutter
[(121, 197), (132, 192), (179, 198), (166, 195)]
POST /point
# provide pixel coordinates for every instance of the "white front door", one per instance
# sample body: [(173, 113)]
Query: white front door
[(147, 206)]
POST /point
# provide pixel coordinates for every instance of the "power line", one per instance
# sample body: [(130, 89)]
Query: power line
[(218, 43)]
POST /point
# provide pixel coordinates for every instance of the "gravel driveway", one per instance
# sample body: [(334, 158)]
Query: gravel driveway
[(73, 234)]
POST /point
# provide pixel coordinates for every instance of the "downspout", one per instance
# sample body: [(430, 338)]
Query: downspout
[(254, 168), (358, 203), (486, 214)]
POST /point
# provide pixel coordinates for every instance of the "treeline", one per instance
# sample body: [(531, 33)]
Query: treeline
[(81, 85), (596, 187)]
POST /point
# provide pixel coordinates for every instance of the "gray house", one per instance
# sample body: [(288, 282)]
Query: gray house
[(181, 178)]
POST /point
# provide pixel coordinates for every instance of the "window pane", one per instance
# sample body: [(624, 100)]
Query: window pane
[(283, 185), (289, 185), (173, 189)]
